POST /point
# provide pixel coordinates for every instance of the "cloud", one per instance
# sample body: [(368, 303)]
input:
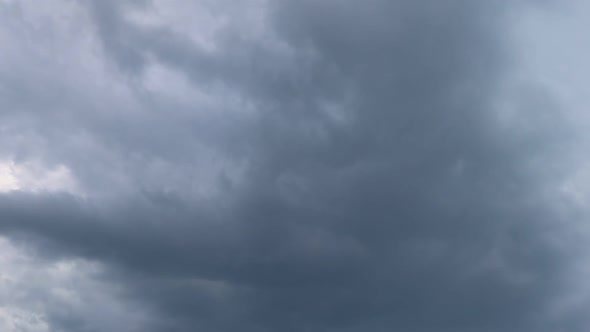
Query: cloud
[(59, 295), (286, 165)]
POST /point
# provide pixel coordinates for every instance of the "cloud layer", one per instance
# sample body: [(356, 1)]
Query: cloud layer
[(281, 166)]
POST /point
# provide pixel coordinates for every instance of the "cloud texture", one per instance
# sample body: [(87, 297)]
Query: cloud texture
[(281, 166)]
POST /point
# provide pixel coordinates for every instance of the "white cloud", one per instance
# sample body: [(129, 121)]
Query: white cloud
[(33, 177)]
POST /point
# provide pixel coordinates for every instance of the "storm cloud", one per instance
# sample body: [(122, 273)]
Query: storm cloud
[(282, 165)]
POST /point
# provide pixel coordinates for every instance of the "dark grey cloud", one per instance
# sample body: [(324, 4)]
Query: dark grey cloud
[(342, 166)]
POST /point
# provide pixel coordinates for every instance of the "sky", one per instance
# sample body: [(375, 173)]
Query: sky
[(294, 165)]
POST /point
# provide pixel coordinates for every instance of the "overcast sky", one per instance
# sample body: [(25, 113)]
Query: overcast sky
[(294, 165)]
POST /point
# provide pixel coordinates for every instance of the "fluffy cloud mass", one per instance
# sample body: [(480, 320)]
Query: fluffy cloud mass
[(288, 165)]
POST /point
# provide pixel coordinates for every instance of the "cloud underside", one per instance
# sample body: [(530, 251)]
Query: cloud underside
[(280, 166)]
